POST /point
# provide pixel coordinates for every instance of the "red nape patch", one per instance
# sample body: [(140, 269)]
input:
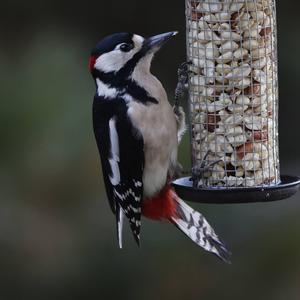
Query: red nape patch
[(92, 61), (161, 207)]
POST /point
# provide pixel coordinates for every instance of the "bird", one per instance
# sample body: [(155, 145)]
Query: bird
[(137, 133)]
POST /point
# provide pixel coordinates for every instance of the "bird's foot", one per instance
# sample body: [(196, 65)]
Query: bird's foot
[(183, 71), (183, 75), (204, 167)]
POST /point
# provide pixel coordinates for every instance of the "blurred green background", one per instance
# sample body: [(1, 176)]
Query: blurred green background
[(57, 234)]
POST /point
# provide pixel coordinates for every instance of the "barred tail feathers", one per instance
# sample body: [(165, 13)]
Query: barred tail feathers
[(168, 206), (195, 226)]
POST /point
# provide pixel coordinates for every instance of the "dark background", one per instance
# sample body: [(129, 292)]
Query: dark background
[(57, 234)]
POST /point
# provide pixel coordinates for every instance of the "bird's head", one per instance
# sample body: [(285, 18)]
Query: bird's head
[(121, 52)]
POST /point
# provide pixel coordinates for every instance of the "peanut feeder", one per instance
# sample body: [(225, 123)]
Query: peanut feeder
[(233, 91)]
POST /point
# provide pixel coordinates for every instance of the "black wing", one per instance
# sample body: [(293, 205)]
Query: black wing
[(121, 150)]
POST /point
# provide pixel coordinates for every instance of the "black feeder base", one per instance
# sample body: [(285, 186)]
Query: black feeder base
[(288, 186)]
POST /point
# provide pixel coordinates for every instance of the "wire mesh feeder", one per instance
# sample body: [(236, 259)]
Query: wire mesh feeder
[(233, 97)]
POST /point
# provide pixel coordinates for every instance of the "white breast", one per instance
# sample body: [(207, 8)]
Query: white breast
[(157, 124)]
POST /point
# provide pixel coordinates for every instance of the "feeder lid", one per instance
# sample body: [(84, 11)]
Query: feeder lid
[(288, 186)]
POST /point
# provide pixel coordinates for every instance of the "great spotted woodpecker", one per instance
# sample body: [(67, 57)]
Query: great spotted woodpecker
[(137, 134)]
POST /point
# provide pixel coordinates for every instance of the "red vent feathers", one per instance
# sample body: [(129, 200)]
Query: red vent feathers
[(161, 207)]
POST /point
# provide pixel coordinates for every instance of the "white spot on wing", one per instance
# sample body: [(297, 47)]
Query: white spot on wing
[(126, 194), (137, 183), (114, 152)]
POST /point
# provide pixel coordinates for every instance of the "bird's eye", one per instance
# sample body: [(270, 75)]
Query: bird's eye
[(126, 47)]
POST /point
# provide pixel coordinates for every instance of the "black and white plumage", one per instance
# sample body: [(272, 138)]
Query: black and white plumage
[(137, 134), (117, 142)]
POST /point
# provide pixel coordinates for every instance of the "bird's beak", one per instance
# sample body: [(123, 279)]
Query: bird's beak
[(154, 43)]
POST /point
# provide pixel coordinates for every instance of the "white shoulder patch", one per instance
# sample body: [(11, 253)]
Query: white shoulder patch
[(104, 90), (114, 153)]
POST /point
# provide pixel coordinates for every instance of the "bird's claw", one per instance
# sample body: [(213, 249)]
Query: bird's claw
[(183, 72), (183, 75), (199, 170), (183, 69)]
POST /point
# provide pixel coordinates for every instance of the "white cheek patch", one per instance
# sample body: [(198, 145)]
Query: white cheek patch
[(114, 60)]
